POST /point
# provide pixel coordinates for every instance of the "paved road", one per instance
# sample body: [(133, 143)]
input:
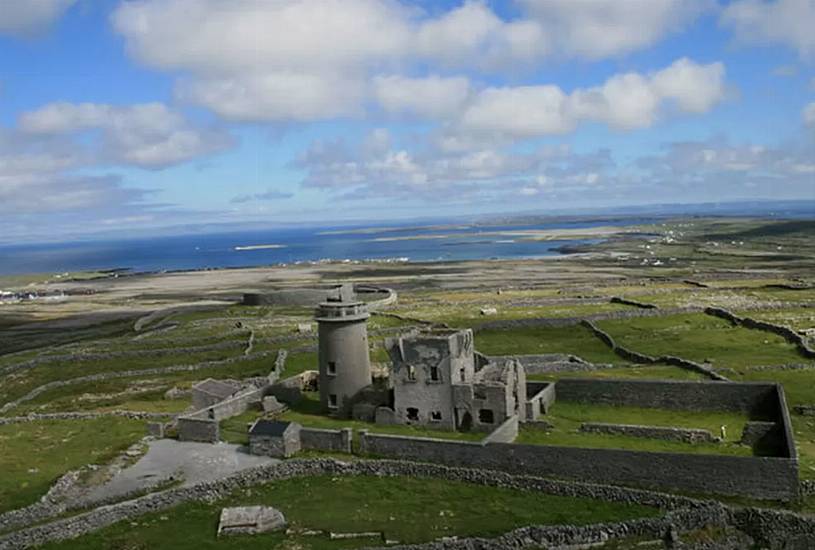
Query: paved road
[(193, 462)]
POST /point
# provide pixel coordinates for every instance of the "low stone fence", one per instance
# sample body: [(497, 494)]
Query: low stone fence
[(804, 410), (634, 303), (510, 324), (326, 440), (507, 432), (34, 417), (549, 363), (757, 399), (787, 333), (686, 435), (643, 359), (808, 488)]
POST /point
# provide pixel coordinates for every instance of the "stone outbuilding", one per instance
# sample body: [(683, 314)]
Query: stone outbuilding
[(274, 438)]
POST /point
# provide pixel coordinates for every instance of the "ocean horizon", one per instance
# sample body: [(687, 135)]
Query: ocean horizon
[(394, 243)]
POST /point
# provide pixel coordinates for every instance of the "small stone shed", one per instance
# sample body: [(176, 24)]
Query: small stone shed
[(274, 438)]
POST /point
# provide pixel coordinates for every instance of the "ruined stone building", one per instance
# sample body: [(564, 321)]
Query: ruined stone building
[(344, 365), (436, 381)]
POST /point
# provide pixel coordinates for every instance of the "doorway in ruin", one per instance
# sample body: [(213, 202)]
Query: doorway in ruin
[(464, 420)]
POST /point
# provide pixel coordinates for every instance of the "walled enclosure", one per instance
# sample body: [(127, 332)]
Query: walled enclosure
[(767, 477)]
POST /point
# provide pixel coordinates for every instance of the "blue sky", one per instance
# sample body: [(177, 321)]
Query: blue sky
[(134, 115)]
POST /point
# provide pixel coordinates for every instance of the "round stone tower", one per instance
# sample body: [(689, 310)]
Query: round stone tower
[(343, 353)]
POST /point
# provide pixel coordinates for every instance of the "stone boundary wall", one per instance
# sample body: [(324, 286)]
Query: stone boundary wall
[(133, 415), (326, 440), (539, 397), (203, 425), (391, 298), (756, 431), (569, 537), (131, 373), (683, 514), (686, 435), (152, 352), (756, 477), (787, 333), (804, 410), (634, 303), (808, 488), (407, 319), (643, 359), (508, 324), (550, 362), (757, 399), (198, 429), (507, 432)]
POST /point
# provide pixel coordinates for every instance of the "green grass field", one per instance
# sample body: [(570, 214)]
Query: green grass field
[(408, 510), (35, 454)]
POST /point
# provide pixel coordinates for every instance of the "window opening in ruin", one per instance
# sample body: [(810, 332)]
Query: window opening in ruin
[(332, 367), (485, 416), (434, 374), (412, 413), (332, 401), (411, 372), (435, 416), (542, 406), (463, 373)]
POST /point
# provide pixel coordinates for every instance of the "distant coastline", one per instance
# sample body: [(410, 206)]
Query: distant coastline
[(260, 247)]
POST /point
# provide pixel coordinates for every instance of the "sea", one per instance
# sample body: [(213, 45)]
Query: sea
[(407, 243)]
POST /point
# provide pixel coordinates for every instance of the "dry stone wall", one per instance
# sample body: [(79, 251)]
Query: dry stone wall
[(326, 440), (785, 332), (35, 417), (757, 477), (757, 399), (641, 358), (510, 324), (686, 435)]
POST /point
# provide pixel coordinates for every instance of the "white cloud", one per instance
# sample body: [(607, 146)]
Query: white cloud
[(787, 22), (23, 17), (809, 114), (303, 60), (148, 135), (625, 101), (597, 29), (430, 97), (472, 35), (277, 96)]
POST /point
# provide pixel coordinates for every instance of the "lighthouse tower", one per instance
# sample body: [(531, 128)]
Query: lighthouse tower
[(343, 353)]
